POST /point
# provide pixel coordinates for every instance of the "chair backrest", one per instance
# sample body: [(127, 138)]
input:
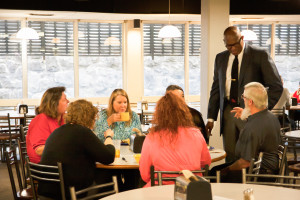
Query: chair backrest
[(160, 178), (23, 133), (23, 155), (47, 173), (280, 113), (292, 144), (282, 158), (113, 184), (255, 164), (265, 179), (5, 127), (11, 160)]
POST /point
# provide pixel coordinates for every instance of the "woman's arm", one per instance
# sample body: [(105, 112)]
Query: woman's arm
[(145, 160)]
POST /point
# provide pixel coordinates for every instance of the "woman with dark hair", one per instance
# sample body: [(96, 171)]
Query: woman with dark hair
[(174, 143), (51, 111), (110, 118), (77, 148)]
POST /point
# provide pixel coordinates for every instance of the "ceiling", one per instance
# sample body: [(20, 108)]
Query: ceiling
[(153, 10), (71, 15)]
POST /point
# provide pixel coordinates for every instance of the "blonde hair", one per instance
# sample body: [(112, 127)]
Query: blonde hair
[(257, 93), (50, 100), (110, 110), (81, 112)]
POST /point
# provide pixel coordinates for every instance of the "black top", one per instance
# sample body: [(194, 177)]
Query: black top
[(260, 134), (198, 121), (77, 148)]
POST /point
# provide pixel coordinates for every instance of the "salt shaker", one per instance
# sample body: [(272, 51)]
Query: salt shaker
[(248, 194)]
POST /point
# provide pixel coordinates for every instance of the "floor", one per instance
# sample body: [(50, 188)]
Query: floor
[(5, 187)]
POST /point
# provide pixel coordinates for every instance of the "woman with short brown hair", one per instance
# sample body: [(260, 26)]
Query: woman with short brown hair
[(77, 148), (51, 111), (174, 143)]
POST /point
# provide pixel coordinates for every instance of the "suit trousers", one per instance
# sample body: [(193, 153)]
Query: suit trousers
[(231, 131)]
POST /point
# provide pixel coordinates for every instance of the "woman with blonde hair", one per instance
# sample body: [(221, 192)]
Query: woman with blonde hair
[(110, 118), (174, 143), (50, 116), (78, 149)]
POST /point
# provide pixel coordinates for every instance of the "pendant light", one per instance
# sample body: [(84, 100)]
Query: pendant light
[(169, 31), (249, 35), (27, 33)]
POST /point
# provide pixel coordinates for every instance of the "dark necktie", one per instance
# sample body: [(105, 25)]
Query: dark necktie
[(234, 82)]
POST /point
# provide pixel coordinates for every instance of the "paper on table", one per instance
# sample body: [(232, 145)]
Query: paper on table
[(220, 198)]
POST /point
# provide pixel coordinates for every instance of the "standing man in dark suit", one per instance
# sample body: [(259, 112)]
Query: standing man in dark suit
[(234, 68)]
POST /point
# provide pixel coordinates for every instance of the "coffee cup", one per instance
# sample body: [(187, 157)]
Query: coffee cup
[(124, 116)]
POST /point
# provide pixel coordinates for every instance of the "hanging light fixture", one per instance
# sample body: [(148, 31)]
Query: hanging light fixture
[(112, 41), (249, 35), (169, 31), (27, 33)]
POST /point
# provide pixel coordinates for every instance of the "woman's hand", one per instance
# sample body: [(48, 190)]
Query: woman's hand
[(108, 134), (238, 112), (116, 117)]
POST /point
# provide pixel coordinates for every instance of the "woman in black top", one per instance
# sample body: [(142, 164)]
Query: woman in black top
[(77, 148)]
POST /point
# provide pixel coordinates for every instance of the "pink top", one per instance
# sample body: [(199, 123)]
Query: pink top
[(38, 132), (189, 151)]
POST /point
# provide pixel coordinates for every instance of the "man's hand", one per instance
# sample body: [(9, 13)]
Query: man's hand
[(238, 112), (209, 126)]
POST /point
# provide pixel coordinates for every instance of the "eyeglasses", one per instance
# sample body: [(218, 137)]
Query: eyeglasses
[(229, 46), (243, 97)]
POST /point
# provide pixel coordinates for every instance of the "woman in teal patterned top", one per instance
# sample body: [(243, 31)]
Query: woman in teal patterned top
[(111, 118)]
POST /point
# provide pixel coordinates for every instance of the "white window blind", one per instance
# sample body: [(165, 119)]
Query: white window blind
[(93, 35), (289, 37), (8, 30), (263, 33), (195, 39), (154, 46)]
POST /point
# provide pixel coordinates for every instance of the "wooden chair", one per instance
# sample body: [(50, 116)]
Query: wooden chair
[(47, 173), (24, 192), (23, 155), (7, 134), (288, 180), (114, 184), (160, 178)]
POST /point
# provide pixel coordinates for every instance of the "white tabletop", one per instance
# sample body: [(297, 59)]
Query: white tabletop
[(225, 190), (295, 134)]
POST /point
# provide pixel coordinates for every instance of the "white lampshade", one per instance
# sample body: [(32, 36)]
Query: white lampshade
[(249, 35), (27, 33), (169, 31), (112, 41)]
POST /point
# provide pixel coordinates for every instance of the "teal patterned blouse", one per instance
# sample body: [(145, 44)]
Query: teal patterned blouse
[(121, 131)]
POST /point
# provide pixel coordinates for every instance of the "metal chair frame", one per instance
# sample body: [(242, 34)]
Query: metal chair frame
[(159, 178), (39, 172), (113, 184)]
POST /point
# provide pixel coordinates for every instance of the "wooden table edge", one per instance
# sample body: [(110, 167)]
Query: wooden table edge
[(219, 158)]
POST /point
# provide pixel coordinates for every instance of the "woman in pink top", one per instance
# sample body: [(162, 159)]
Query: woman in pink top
[(174, 143), (53, 106)]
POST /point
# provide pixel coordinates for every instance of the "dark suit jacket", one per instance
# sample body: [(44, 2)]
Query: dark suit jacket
[(257, 65)]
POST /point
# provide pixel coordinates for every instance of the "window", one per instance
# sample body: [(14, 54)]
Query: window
[(100, 59), (194, 58), (263, 33), (163, 60), (10, 60), (50, 58), (287, 54)]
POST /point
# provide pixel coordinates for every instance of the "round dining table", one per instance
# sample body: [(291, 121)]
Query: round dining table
[(220, 191), (293, 134), (127, 160)]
